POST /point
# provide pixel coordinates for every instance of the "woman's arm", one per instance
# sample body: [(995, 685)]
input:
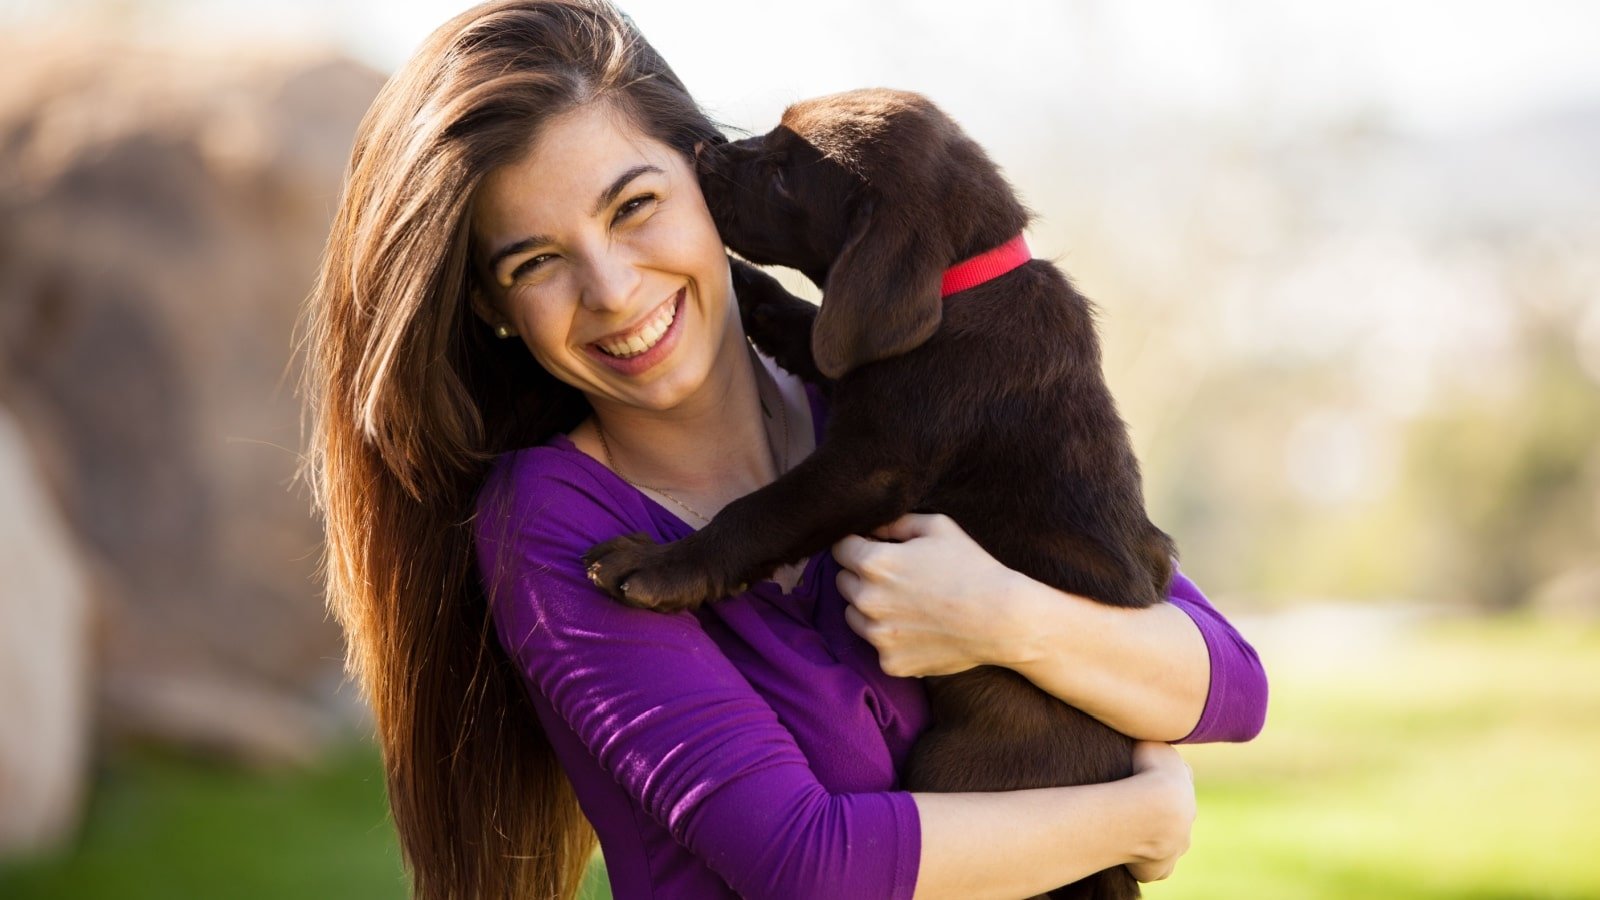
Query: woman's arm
[(683, 732), (1236, 704), (937, 603), (664, 712), (1022, 843), (1145, 672)]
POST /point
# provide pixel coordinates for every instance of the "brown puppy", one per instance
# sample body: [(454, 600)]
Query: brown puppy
[(988, 406)]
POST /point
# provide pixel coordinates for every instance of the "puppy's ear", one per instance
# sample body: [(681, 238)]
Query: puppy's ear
[(882, 294)]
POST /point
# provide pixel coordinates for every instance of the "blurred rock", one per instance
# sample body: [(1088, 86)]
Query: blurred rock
[(1572, 596), (44, 659), (161, 217)]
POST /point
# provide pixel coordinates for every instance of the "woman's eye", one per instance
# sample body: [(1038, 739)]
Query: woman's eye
[(530, 265), (632, 205)]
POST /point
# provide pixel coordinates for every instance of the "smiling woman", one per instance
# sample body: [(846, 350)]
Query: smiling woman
[(606, 256), (528, 174)]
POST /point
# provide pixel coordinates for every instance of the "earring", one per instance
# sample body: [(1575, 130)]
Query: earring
[(504, 331)]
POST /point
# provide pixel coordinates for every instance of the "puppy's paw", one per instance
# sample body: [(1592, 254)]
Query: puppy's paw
[(609, 565), (758, 293), (643, 574)]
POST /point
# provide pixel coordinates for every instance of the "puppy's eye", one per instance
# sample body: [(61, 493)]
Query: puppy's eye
[(780, 183)]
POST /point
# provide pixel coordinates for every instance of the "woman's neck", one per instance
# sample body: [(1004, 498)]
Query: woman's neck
[(714, 446)]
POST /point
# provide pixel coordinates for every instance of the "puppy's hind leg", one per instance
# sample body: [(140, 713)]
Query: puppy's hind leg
[(777, 321)]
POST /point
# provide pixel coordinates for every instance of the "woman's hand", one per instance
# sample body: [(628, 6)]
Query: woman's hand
[(1171, 783), (1025, 842), (937, 603), (933, 604)]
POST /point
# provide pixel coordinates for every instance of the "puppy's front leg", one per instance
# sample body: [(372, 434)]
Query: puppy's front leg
[(842, 488), (778, 321)]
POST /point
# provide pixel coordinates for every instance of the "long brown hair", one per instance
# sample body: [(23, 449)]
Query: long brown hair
[(409, 398)]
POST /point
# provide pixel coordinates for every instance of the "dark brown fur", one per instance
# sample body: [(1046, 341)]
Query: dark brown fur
[(988, 406)]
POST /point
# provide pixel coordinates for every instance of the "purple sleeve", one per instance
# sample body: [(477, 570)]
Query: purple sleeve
[(664, 711), (1236, 703)]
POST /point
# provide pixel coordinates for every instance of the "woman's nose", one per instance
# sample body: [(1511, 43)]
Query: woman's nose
[(610, 283)]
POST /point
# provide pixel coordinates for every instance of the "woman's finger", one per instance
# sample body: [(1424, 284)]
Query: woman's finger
[(857, 620), (848, 550), (849, 584), (859, 596), (905, 528), (866, 558)]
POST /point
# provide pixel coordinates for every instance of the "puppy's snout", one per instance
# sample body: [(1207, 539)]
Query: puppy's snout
[(706, 157)]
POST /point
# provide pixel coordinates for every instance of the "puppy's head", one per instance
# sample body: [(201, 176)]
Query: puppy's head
[(871, 193)]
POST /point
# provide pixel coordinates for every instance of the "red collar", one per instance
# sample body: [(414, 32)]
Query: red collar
[(986, 265)]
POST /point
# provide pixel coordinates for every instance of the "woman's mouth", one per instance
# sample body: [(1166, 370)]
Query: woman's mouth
[(646, 345)]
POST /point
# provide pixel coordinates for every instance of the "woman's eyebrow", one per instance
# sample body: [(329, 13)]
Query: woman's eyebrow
[(610, 193), (606, 196), (515, 247)]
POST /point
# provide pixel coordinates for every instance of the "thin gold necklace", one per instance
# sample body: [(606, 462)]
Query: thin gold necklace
[(783, 412)]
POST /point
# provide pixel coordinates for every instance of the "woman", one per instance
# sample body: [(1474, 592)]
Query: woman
[(524, 341)]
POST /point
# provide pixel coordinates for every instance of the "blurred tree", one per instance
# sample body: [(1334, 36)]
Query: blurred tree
[(1512, 486)]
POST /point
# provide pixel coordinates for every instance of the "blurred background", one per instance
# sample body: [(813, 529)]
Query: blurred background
[(1347, 263)]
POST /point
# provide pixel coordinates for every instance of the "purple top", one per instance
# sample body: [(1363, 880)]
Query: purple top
[(748, 748)]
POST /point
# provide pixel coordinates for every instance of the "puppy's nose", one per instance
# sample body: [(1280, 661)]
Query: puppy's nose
[(704, 157), (710, 152)]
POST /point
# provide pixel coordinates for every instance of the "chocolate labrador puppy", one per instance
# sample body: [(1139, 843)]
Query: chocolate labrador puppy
[(964, 379)]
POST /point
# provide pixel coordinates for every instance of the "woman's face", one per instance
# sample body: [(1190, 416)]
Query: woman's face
[(604, 258)]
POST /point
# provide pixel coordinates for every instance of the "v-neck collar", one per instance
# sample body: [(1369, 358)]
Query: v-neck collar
[(805, 586)]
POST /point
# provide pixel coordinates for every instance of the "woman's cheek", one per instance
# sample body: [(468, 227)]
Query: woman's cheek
[(691, 248), (689, 241)]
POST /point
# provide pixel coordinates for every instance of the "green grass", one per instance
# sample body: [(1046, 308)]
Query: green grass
[(1458, 761), (162, 827), (165, 827)]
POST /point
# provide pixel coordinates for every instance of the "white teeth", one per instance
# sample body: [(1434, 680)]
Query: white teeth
[(646, 337)]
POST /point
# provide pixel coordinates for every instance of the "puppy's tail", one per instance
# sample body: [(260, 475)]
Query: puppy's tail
[(1112, 884)]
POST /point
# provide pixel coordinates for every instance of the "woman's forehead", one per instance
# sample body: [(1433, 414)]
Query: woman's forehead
[(569, 163)]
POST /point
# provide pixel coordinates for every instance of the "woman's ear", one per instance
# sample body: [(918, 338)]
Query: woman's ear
[(482, 306), (881, 298)]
